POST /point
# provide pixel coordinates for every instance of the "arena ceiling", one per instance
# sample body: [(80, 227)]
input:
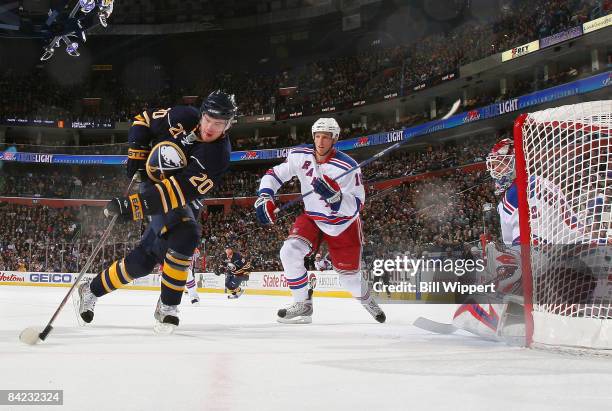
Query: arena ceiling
[(22, 18)]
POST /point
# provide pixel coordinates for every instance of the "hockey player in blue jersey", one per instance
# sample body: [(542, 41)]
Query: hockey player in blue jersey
[(180, 154), (237, 269)]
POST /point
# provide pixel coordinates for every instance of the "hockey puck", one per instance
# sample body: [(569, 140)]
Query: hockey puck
[(29, 336)]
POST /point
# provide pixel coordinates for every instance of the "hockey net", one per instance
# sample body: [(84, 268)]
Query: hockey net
[(564, 174)]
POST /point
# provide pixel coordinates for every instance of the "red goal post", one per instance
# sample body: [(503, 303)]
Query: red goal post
[(564, 181)]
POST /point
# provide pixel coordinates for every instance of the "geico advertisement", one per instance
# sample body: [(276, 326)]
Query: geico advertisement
[(50, 278)]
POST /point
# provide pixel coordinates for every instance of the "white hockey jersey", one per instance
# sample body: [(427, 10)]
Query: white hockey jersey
[(509, 216), (194, 259), (323, 265), (301, 163)]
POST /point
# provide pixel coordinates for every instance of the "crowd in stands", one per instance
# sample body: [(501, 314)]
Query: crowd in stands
[(430, 214), (41, 238), (368, 74), (102, 182), (51, 181), (241, 142)]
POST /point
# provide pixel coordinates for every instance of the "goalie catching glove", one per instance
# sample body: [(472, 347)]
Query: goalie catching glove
[(126, 208), (265, 209), (329, 190)]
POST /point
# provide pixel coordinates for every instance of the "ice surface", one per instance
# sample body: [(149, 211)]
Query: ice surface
[(232, 355)]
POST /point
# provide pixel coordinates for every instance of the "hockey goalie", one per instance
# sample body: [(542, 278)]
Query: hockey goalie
[(572, 266), (499, 316)]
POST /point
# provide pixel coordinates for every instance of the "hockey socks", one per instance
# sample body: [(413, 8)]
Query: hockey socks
[(115, 276), (299, 287), (174, 277)]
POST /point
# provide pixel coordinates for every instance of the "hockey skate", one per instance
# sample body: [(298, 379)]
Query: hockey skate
[(86, 302), (374, 309), (300, 312), (194, 297), (236, 293), (103, 16), (166, 317)]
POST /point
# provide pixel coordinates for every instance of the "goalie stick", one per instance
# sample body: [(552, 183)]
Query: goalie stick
[(31, 335), (434, 326), (364, 163)]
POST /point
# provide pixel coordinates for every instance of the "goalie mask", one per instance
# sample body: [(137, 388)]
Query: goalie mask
[(327, 125), (165, 159), (500, 164)]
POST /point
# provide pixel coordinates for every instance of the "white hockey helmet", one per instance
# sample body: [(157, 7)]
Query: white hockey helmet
[(500, 164), (327, 125)]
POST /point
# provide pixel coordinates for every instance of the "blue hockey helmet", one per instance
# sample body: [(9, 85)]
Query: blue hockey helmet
[(219, 105)]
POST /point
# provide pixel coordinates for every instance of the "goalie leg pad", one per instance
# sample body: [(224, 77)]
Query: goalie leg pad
[(511, 328), (479, 319), (498, 320)]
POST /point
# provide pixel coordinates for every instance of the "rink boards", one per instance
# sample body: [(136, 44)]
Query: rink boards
[(259, 283), (272, 283)]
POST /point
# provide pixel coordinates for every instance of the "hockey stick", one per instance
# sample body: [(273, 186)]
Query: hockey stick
[(364, 163), (31, 335), (350, 170), (391, 189)]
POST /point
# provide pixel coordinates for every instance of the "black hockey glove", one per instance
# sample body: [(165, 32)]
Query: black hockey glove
[(218, 271), (127, 208), (136, 163)]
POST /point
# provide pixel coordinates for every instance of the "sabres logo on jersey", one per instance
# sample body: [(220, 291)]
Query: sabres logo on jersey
[(165, 159)]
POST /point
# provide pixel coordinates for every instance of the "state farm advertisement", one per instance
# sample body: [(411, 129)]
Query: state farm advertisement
[(276, 280)]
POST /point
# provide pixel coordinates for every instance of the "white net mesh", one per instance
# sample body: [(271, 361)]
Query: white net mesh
[(568, 156)]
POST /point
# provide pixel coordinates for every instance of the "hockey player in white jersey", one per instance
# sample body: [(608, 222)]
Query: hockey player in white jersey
[(191, 284), (331, 214), (322, 264)]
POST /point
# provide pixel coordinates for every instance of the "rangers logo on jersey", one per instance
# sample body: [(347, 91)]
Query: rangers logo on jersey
[(301, 163)]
